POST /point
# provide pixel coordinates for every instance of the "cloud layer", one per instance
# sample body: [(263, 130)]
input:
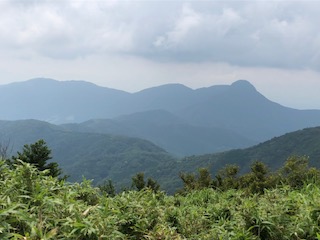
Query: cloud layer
[(281, 34), (132, 45)]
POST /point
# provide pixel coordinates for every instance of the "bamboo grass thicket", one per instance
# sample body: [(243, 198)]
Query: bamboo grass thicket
[(34, 205)]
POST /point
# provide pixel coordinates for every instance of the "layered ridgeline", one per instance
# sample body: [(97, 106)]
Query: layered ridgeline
[(168, 131), (180, 120), (104, 156), (273, 153), (90, 155)]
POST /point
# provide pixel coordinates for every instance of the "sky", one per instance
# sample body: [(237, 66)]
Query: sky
[(133, 45)]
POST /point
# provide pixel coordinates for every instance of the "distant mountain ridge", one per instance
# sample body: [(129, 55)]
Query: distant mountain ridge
[(181, 120), (57, 101), (166, 130)]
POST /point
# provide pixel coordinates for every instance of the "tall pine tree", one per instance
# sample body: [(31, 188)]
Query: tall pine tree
[(38, 154)]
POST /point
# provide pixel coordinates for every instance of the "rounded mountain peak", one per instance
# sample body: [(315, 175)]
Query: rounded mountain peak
[(243, 84)]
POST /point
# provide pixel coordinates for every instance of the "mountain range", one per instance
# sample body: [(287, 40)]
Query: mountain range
[(103, 156), (180, 120), (102, 133)]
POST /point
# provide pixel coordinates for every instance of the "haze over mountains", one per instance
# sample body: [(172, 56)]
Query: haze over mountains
[(181, 120), (102, 156), (102, 133)]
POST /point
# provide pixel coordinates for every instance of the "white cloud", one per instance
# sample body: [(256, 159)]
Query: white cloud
[(137, 44), (248, 33), (63, 29), (187, 21)]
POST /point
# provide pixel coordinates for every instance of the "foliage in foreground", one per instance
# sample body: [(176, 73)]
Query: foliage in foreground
[(34, 205), (295, 172)]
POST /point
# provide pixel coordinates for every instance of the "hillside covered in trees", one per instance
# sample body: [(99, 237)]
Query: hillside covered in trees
[(273, 153), (102, 156), (92, 155)]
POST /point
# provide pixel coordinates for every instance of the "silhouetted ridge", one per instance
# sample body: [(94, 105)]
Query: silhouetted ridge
[(165, 114), (171, 87), (243, 85)]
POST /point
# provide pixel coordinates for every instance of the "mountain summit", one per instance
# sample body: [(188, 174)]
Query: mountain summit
[(224, 117), (243, 85)]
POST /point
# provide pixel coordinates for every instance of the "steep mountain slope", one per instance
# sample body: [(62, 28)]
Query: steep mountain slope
[(244, 110), (95, 156)]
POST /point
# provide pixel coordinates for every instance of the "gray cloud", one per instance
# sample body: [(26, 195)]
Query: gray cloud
[(255, 34), (244, 33)]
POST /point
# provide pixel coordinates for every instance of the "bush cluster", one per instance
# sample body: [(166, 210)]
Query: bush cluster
[(35, 205), (295, 173)]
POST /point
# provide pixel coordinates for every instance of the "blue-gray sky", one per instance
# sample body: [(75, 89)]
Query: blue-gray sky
[(132, 45)]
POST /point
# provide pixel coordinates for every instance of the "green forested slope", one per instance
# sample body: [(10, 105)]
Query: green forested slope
[(92, 155), (102, 156), (273, 152)]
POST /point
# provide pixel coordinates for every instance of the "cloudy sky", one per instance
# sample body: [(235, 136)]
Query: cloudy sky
[(132, 45)]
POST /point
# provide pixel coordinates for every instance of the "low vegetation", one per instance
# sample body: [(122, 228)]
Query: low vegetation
[(295, 173), (258, 205)]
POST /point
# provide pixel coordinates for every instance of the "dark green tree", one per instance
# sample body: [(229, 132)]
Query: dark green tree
[(258, 179), (296, 171), (108, 188), (139, 183), (227, 178), (189, 182), (38, 154), (153, 184), (204, 179), (192, 182)]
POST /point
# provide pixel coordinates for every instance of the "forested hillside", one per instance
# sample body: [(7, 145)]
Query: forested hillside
[(273, 153), (101, 156), (92, 155)]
